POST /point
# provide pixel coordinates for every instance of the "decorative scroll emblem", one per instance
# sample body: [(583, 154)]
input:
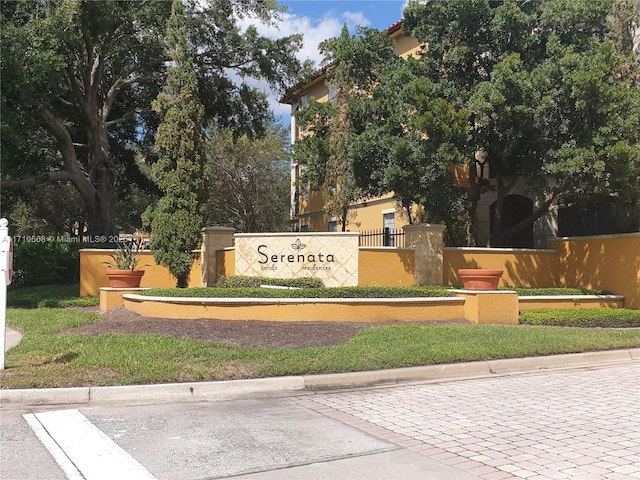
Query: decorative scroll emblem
[(298, 245)]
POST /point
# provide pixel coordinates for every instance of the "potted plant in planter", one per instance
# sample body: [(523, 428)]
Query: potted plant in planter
[(480, 278), (121, 269)]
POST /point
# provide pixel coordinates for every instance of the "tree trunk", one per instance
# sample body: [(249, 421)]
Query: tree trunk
[(474, 198)]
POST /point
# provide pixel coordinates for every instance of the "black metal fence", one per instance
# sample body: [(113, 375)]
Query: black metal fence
[(387, 237)]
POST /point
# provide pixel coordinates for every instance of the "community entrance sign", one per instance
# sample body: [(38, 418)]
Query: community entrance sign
[(329, 256)]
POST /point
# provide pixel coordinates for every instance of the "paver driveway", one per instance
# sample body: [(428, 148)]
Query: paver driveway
[(567, 424)]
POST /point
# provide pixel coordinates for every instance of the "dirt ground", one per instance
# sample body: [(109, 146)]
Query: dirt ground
[(244, 333)]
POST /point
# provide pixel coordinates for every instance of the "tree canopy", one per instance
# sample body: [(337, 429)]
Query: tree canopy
[(79, 78), (353, 64), (249, 180), (538, 95), (548, 93)]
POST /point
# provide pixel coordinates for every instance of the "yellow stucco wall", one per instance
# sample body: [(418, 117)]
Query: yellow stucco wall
[(608, 262), (362, 216), (406, 46), (577, 301), (385, 267), (226, 262), (308, 310), (522, 268), (491, 307), (92, 269)]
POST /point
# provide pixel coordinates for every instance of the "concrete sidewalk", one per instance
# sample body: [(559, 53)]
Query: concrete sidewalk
[(12, 338)]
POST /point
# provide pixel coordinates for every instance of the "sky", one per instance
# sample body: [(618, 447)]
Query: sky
[(318, 20)]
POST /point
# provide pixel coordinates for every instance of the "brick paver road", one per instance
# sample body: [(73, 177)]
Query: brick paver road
[(573, 424)]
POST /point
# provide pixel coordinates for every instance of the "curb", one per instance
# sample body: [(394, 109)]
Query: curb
[(201, 391)]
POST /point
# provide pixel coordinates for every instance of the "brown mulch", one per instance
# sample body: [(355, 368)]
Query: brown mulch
[(244, 333)]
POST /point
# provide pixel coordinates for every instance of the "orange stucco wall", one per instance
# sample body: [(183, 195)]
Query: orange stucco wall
[(608, 262), (92, 268), (522, 268), (385, 266), (226, 262), (287, 310)]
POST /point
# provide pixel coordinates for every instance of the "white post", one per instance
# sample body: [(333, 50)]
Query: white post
[(6, 272)]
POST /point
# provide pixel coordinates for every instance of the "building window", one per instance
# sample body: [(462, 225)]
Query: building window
[(389, 226), (333, 225), (304, 227)]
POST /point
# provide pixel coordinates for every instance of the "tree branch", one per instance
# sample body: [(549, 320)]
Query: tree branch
[(49, 177), (61, 134)]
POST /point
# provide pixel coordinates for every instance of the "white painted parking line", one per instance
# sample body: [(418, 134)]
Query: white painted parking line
[(82, 450)]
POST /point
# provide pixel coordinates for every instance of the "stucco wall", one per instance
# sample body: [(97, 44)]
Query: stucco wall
[(522, 268), (226, 262), (385, 266), (608, 262), (92, 269)]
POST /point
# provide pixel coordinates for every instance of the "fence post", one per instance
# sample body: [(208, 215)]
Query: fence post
[(427, 243), (213, 239), (6, 272)]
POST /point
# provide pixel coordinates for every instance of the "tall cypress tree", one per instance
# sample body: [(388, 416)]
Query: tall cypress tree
[(177, 219)]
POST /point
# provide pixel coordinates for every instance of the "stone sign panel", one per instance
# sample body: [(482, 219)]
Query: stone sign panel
[(329, 256)]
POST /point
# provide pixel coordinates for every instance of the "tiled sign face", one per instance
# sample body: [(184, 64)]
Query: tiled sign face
[(332, 257)]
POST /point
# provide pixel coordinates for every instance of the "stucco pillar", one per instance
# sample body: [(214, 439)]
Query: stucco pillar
[(427, 242), (213, 239)]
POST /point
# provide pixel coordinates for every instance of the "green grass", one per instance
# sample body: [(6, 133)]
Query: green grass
[(47, 357)]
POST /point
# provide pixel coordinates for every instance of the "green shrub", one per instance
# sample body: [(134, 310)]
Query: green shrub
[(48, 262), (244, 282), (49, 296), (320, 292), (527, 291), (587, 317), (45, 263)]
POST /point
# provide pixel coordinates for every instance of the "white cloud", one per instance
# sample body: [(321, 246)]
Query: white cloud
[(314, 30)]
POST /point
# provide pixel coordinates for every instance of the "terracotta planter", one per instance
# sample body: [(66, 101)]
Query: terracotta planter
[(124, 278), (480, 278)]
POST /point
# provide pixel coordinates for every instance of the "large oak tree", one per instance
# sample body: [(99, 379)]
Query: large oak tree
[(78, 78)]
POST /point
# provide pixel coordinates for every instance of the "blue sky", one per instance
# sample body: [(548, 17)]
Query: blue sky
[(373, 13), (318, 20)]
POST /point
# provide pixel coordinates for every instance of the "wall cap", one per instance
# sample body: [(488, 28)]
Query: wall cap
[(386, 249), (463, 291), (571, 297), (597, 237), (219, 229), (299, 234), (499, 250), (425, 226), (276, 301)]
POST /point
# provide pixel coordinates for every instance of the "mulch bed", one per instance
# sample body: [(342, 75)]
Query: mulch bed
[(243, 333)]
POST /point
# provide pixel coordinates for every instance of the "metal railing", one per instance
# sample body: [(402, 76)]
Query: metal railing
[(387, 237)]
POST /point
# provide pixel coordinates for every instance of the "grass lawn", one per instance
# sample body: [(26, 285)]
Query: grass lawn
[(45, 358)]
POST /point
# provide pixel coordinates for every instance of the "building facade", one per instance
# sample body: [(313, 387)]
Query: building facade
[(383, 214)]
